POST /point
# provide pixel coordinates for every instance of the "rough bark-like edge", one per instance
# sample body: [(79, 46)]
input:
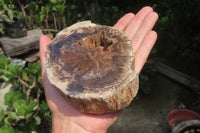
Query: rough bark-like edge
[(97, 104), (101, 106)]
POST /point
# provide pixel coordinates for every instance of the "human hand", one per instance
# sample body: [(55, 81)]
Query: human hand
[(139, 29), (66, 118)]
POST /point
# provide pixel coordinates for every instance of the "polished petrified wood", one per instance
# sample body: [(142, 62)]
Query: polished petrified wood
[(92, 66)]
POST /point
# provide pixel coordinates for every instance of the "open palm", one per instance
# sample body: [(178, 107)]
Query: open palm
[(66, 118)]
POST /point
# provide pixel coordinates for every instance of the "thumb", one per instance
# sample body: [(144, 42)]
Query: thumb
[(44, 41)]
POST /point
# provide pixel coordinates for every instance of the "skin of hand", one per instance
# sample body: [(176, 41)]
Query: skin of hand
[(65, 118)]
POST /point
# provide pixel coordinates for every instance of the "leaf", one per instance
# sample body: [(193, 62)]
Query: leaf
[(12, 97), (28, 115), (7, 120), (18, 95), (10, 14), (62, 1), (20, 106), (6, 129), (19, 132), (5, 78), (21, 110), (33, 6), (13, 71), (37, 120), (32, 106), (47, 8), (13, 116), (1, 114), (19, 70), (53, 1), (8, 98), (39, 79), (42, 14), (54, 8), (33, 68), (44, 106), (5, 72), (19, 103), (5, 7), (2, 2), (24, 75)]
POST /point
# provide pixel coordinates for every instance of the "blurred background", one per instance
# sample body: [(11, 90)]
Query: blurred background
[(171, 71)]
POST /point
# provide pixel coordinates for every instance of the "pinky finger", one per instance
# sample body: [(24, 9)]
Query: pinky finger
[(144, 50)]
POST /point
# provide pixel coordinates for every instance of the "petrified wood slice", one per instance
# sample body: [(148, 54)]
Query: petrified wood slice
[(92, 66)]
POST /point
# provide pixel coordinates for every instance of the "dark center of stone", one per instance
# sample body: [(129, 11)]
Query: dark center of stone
[(89, 57)]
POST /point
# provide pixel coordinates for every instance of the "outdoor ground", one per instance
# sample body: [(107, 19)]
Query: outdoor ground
[(148, 113)]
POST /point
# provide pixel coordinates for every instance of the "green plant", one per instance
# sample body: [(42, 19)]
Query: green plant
[(25, 103), (9, 8), (54, 15)]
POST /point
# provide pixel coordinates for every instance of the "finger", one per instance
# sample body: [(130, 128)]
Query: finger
[(145, 27), (137, 20), (44, 41), (144, 50), (124, 21)]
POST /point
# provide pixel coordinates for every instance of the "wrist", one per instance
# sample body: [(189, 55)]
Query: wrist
[(66, 125)]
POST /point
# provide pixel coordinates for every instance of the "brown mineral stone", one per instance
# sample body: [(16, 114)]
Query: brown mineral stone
[(92, 66)]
